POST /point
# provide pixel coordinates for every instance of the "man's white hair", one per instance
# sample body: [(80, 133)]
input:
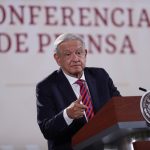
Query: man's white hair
[(66, 37)]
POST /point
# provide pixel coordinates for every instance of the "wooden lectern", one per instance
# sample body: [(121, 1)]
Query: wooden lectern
[(116, 126)]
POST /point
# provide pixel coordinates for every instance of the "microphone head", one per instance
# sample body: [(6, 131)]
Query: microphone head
[(142, 89)]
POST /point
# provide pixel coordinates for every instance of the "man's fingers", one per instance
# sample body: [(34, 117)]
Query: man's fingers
[(79, 101), (80, 106), (79, 113), (76, 109)]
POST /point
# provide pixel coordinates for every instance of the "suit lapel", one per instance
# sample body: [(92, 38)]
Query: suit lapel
[(65, 88), (91, 81)]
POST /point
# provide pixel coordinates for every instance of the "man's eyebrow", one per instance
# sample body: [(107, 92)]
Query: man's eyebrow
[(74, 49)]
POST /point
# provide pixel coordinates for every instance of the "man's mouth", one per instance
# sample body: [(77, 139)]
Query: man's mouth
[(76, 65)]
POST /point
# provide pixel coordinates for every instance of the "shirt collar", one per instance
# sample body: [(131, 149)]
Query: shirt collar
[(71, 79)]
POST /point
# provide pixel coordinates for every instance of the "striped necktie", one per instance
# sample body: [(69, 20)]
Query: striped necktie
[(86, 98)]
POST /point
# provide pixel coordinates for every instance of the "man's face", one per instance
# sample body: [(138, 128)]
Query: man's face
[(71, 57)]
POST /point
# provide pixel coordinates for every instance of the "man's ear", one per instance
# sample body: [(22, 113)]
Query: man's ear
[(57, 58)]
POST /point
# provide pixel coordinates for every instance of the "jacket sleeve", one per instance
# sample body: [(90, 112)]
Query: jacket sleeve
[(51, 123)]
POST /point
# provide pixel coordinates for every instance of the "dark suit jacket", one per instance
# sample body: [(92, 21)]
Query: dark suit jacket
[(55, 93)]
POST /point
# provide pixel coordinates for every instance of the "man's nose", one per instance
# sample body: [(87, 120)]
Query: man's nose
[(75, 57)]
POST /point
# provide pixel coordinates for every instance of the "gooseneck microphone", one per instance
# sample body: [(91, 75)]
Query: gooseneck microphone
[(142, 89)]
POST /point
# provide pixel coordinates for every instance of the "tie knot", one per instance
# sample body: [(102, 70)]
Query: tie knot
[(80, 82)]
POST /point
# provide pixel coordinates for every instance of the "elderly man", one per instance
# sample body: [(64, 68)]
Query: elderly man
[(69, 97)]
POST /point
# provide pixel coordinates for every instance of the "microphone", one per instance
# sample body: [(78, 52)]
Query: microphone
[(142, 89)]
